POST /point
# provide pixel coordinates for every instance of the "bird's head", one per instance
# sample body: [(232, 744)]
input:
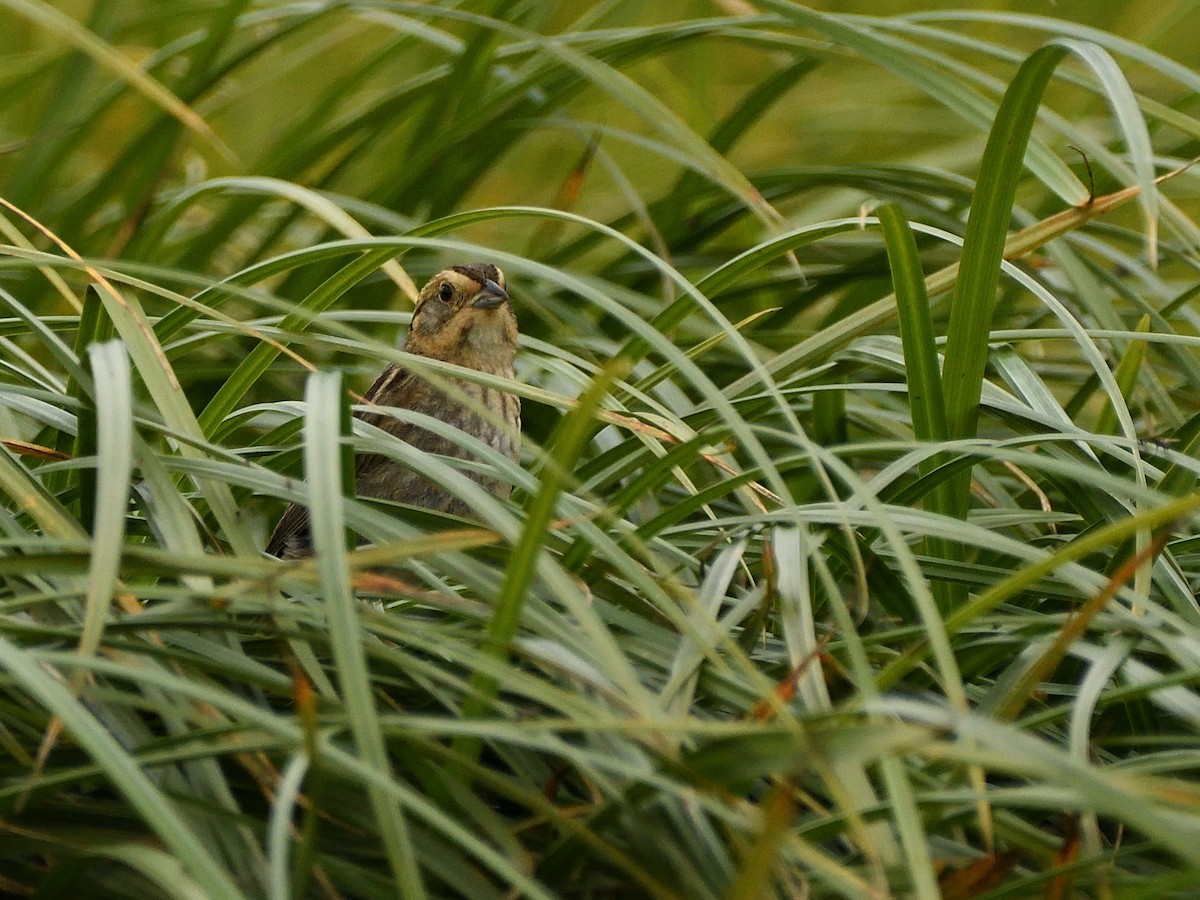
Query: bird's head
[(464, 316)]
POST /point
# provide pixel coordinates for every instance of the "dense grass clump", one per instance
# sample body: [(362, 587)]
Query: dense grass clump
[(853, 549)]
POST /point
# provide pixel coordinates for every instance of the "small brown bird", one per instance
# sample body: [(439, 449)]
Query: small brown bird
[(463, 316)]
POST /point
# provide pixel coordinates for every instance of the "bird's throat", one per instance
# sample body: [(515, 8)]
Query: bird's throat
[(484, 340)]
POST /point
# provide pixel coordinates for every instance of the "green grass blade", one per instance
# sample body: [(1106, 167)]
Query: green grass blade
[(1127, 379), (324, 473), (522, 564), (916, 329), (921, 367), (983, 247), (114, 468)]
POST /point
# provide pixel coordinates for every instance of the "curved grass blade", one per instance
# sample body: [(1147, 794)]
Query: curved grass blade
[(916, 331), (328, 210), (1133, 127), (983, 248)]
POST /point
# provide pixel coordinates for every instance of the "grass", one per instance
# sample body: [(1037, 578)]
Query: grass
[(853, 548)]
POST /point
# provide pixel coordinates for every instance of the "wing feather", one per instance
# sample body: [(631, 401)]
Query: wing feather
[(291, 538)]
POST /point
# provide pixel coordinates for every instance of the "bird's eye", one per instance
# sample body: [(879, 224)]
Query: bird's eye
[(446, 292)]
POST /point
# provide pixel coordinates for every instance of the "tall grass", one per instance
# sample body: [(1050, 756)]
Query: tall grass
[(853, 547)]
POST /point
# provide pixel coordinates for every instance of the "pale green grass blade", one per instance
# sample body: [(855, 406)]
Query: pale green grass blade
[(1133, 128), (114, 465), (324, 471), (1188, 77)]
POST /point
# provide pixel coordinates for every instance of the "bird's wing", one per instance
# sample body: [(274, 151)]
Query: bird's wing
[(291, 537), (392, 378), (398, 382)]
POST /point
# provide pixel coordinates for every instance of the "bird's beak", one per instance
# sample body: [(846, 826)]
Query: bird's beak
[(490, 297)]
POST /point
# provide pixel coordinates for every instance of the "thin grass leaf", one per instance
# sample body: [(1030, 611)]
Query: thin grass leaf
[(502, 627), (983, 246), (114, 467), (1127, 377), (1133, 128), (916, 331), (324, 472)]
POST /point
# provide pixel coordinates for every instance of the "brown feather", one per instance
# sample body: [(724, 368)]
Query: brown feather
[(482, 337)]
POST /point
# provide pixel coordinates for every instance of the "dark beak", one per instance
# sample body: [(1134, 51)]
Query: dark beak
[(490, 297)]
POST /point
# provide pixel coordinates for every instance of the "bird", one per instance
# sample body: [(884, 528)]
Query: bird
[(463, 316)]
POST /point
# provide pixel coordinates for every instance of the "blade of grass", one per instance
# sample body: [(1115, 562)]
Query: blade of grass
[(114, 467), (325, 472), (974, 298), (573, 433), (1129, 118), (916, 330), (923, 373), (1127, 377)]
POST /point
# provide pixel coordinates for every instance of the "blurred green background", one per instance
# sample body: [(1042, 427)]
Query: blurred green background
[(336, 68)]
